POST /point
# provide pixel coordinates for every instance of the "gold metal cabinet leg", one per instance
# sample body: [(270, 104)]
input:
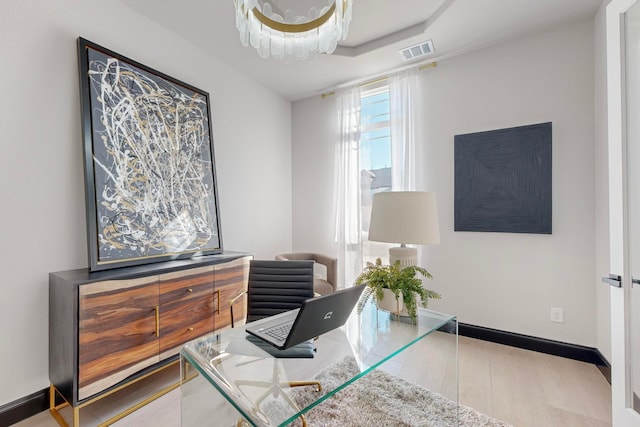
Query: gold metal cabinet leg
[(52, 396), (139, 405), (54, 409)]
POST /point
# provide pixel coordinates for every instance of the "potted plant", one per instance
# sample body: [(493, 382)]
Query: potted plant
[(402, 284)]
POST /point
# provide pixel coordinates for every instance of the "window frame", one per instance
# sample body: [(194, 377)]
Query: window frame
[(370, 249)]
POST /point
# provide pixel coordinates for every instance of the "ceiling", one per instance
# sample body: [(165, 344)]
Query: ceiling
[(378, 30)]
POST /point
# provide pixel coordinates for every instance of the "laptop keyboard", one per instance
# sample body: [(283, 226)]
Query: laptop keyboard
[(280, 331)]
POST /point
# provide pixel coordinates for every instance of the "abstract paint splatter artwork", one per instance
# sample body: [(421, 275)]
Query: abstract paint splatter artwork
[(151, 176)]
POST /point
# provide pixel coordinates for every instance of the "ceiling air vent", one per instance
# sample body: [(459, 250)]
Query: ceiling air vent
[(417, 51)]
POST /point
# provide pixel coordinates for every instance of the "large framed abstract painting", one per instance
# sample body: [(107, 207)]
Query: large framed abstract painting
[(150, 181), (503, 180)]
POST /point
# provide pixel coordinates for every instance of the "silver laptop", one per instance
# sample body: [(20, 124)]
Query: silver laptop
[(315, 317)]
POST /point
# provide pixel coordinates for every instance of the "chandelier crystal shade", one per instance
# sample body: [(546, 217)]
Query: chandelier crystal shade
[(293, 29)]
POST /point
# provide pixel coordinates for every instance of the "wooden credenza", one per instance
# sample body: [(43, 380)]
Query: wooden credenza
[(108, 327)]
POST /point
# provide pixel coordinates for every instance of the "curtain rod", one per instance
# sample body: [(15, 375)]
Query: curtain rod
[(381, 79)]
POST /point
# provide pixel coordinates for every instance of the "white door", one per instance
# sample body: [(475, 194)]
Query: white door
[(623, 87)]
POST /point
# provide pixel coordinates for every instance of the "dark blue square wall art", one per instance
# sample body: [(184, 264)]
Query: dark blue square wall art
[(503, 180)]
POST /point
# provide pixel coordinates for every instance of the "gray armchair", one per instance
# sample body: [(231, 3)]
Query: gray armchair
[(321, 285)]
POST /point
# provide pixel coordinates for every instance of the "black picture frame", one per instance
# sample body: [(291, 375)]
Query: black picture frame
[(503, 180), (150, 179)]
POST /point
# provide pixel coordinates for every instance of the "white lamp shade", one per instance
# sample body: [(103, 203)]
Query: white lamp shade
[(407, 217)]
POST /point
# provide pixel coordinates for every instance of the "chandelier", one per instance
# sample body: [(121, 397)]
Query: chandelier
[(293, 29)]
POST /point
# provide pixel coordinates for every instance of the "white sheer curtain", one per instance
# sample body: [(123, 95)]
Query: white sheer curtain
[(402, 102), (347, 188)]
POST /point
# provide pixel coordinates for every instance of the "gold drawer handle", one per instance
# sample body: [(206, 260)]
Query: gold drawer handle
[(157, 310), (218, 296), (190, 329), (189, 290)]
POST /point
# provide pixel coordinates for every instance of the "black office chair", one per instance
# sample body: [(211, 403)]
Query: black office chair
[(323, 284), (275, 287)]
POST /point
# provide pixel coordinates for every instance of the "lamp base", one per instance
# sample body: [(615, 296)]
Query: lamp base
[(406, 256)]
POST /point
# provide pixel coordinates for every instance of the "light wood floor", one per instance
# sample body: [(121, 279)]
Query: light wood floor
[(520, 387)]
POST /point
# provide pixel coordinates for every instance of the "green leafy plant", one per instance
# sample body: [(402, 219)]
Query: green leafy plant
[(401, 281)]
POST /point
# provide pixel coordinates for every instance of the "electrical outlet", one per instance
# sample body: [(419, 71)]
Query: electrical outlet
[(557, 315)]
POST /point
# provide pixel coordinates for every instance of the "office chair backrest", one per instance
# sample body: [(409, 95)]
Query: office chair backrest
[(277, 286), (321, 286)]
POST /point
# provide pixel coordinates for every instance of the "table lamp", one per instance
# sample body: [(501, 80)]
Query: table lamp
[(405, 217)]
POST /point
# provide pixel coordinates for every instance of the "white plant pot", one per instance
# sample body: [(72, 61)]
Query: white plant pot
[(390, 303)]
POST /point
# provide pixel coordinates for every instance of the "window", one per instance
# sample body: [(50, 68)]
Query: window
[(375, 160), (375, 153)]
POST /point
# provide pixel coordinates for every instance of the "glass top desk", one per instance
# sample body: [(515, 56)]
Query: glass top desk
[(228, 380)]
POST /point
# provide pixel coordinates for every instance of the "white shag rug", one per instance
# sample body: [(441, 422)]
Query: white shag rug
[(381, 399)]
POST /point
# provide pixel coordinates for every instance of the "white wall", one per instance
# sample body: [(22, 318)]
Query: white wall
[(603, 303), (315, 129), (497, 280), (41, 173)]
